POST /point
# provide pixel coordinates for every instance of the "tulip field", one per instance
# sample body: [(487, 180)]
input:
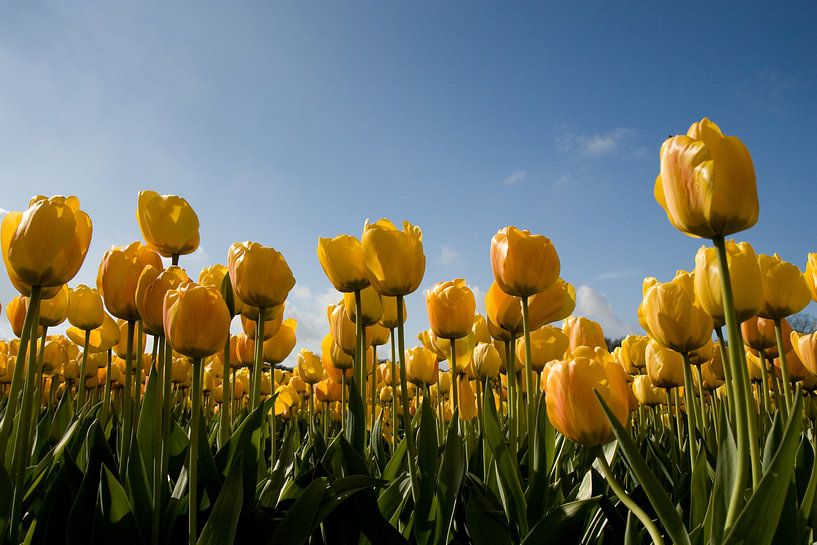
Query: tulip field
[(156, 406)]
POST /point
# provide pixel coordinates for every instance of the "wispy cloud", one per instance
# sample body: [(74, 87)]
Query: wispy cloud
[(309, 309), (618, 274), (449, 255), (594, 305), (3, 211), (619, 140), (199, 256), (516, 177)]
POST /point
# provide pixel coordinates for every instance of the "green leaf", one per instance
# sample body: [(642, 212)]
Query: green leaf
[(543, 442), (5, 500), (427, 466), (758, 521), (657, 495), (510, 490), (562, 525), (300, 520), (396, 462), (449, 480), (699, 490), (115, 516), (484, 520), (272, 490), (148, 419), (722, 486), (138, 490), (355, 422), (246, 440), (223, 520)]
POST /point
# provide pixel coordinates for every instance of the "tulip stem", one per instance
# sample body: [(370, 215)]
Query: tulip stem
[(731, 395), (652, 529), (374, 394), (455, 386), (127, 401), (692, 419), (392, 341), (343, 402), (81, 394), (106, 402), (510, 373), (158, 356), (784, 366), (702, 401), (360, 357), (409, 434), (746, 429), (531, 427), (18, 465), (259, 356), (764, 384), (192, 484), (224, 417)]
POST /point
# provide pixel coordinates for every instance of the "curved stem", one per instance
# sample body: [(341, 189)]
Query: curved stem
[(655, 534)]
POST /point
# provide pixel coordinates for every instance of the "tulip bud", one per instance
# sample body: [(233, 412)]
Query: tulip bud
[(196, 320), (673, 316), (785, 290), (451, 307), (389, 318), (343, 329), (259, 274), (486, 361), (395, 258), (707, 182), (645, 392), (168, 223), (344, 263), (421, 366), (744, 273), (665, 367), (309, 367), (523, 264), (85, 308)]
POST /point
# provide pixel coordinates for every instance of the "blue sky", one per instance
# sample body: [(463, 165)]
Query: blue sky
[(285, 121)]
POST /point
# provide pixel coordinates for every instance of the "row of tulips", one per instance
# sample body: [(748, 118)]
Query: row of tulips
[(163, 412)]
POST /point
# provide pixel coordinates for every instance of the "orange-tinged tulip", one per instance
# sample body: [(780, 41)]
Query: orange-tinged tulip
[(646, 392), (673, 316), (785, 291), (196, 320), (487, 361), (150, 295), (665, 367), (45, 245), (334, 358), (711, 381), (377, 335), (218, 276), (583, 331), (744, 272), (309, 366), (758, 333), (421, 365), (805, 347), (503, 310), (394, 258), (370, 301), (467, 400), (119, 274), (279, 346), (389, 318), (343, 262), (796, 368), (259, 274), (555, 303), (707, 182), (523, 264), (168, 223), (54, 311), (343, 329), (451, 306), (328, 391), (548, 343), (85, 309), (16, 312), (572, 406)]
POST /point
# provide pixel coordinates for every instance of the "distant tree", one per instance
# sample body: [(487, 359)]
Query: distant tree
[(613, 343), (803, 322)]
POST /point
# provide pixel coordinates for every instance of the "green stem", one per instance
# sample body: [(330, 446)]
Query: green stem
[(224, 416), (127, 402), (157, 439), (255, 389), (702, 401), (455, 383), (690, 410), (412, 451), (764, 385), (784, 366), (192, 484), (655, 534), (531, 420), (81, 400), (510, 372), (731, 395), (392, 342)]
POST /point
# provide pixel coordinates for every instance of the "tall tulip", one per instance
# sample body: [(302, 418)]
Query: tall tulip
[(745, 276), (344, 263), (168, 223)]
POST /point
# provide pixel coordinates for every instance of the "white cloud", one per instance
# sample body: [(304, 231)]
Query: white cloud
[(517, 176), (594, 305), (449, 255), (617, 140), (3, 211), (309, 309), (199, 256), (618, 274)]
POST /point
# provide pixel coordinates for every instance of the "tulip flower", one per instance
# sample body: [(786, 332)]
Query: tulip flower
[(759, 333), (665, 367), (805, 346), (673, 316), (480, 329), (451, 306), (344, 263), (218, 276), (259, 274), (707, 182), (632, 352), (394, 258), (118, 277), (54, 311), (646, 392), (168, 224), (744, 272), (785, 291), (151, 288), (467, 400), (503, 310), (583, 331), (810, 275), (551, 305), (487, 361), (421, 366), (16, 311), (371, 303), (279, 346), (571, 404), (389, 317), (523, 264), (548, 343), (309, 366), (272, 323), (85, 309)]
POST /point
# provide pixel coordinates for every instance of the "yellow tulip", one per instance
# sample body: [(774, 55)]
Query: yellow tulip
[(377, 335), (555, 303), (747, 289), (805, 347), (503, 310), (334, 360), (394, 258), (272, 323), (711, 380), (632, 353), (795, 366), (487, 361), (758, 333), (451, 306), (102, 338), (665, 367), (707, 182), (467, 400), (811, 275), (196, 320), (328, 391), (572, 406), (244, 350), (523, 264), (344, 263), (85, 309), (150, 295), (121, 347), (54, 311), (785, 291), (674, 317), (279, 346), (259, 274), (216, 276), (342, 328), (583, 331), (370, 301), (16, 313), (480, 329), (119, 274), (389, 318), (309, 366), (45, 245), (421, 366), (168, 223), (645, 392), (548, 343)]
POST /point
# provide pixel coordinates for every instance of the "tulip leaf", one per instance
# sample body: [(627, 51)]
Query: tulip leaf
[(510, 490), (272, 490), (246, 440), (452, 472), (355, 420), (5, 500), (760, 516), (116, 522), (300, 520), (396, 461), (722, 486), (427, 466), (148, 418), (655, 492), (138, 490), (222, 523), (543, 445), (485, 519), (562, 525)]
